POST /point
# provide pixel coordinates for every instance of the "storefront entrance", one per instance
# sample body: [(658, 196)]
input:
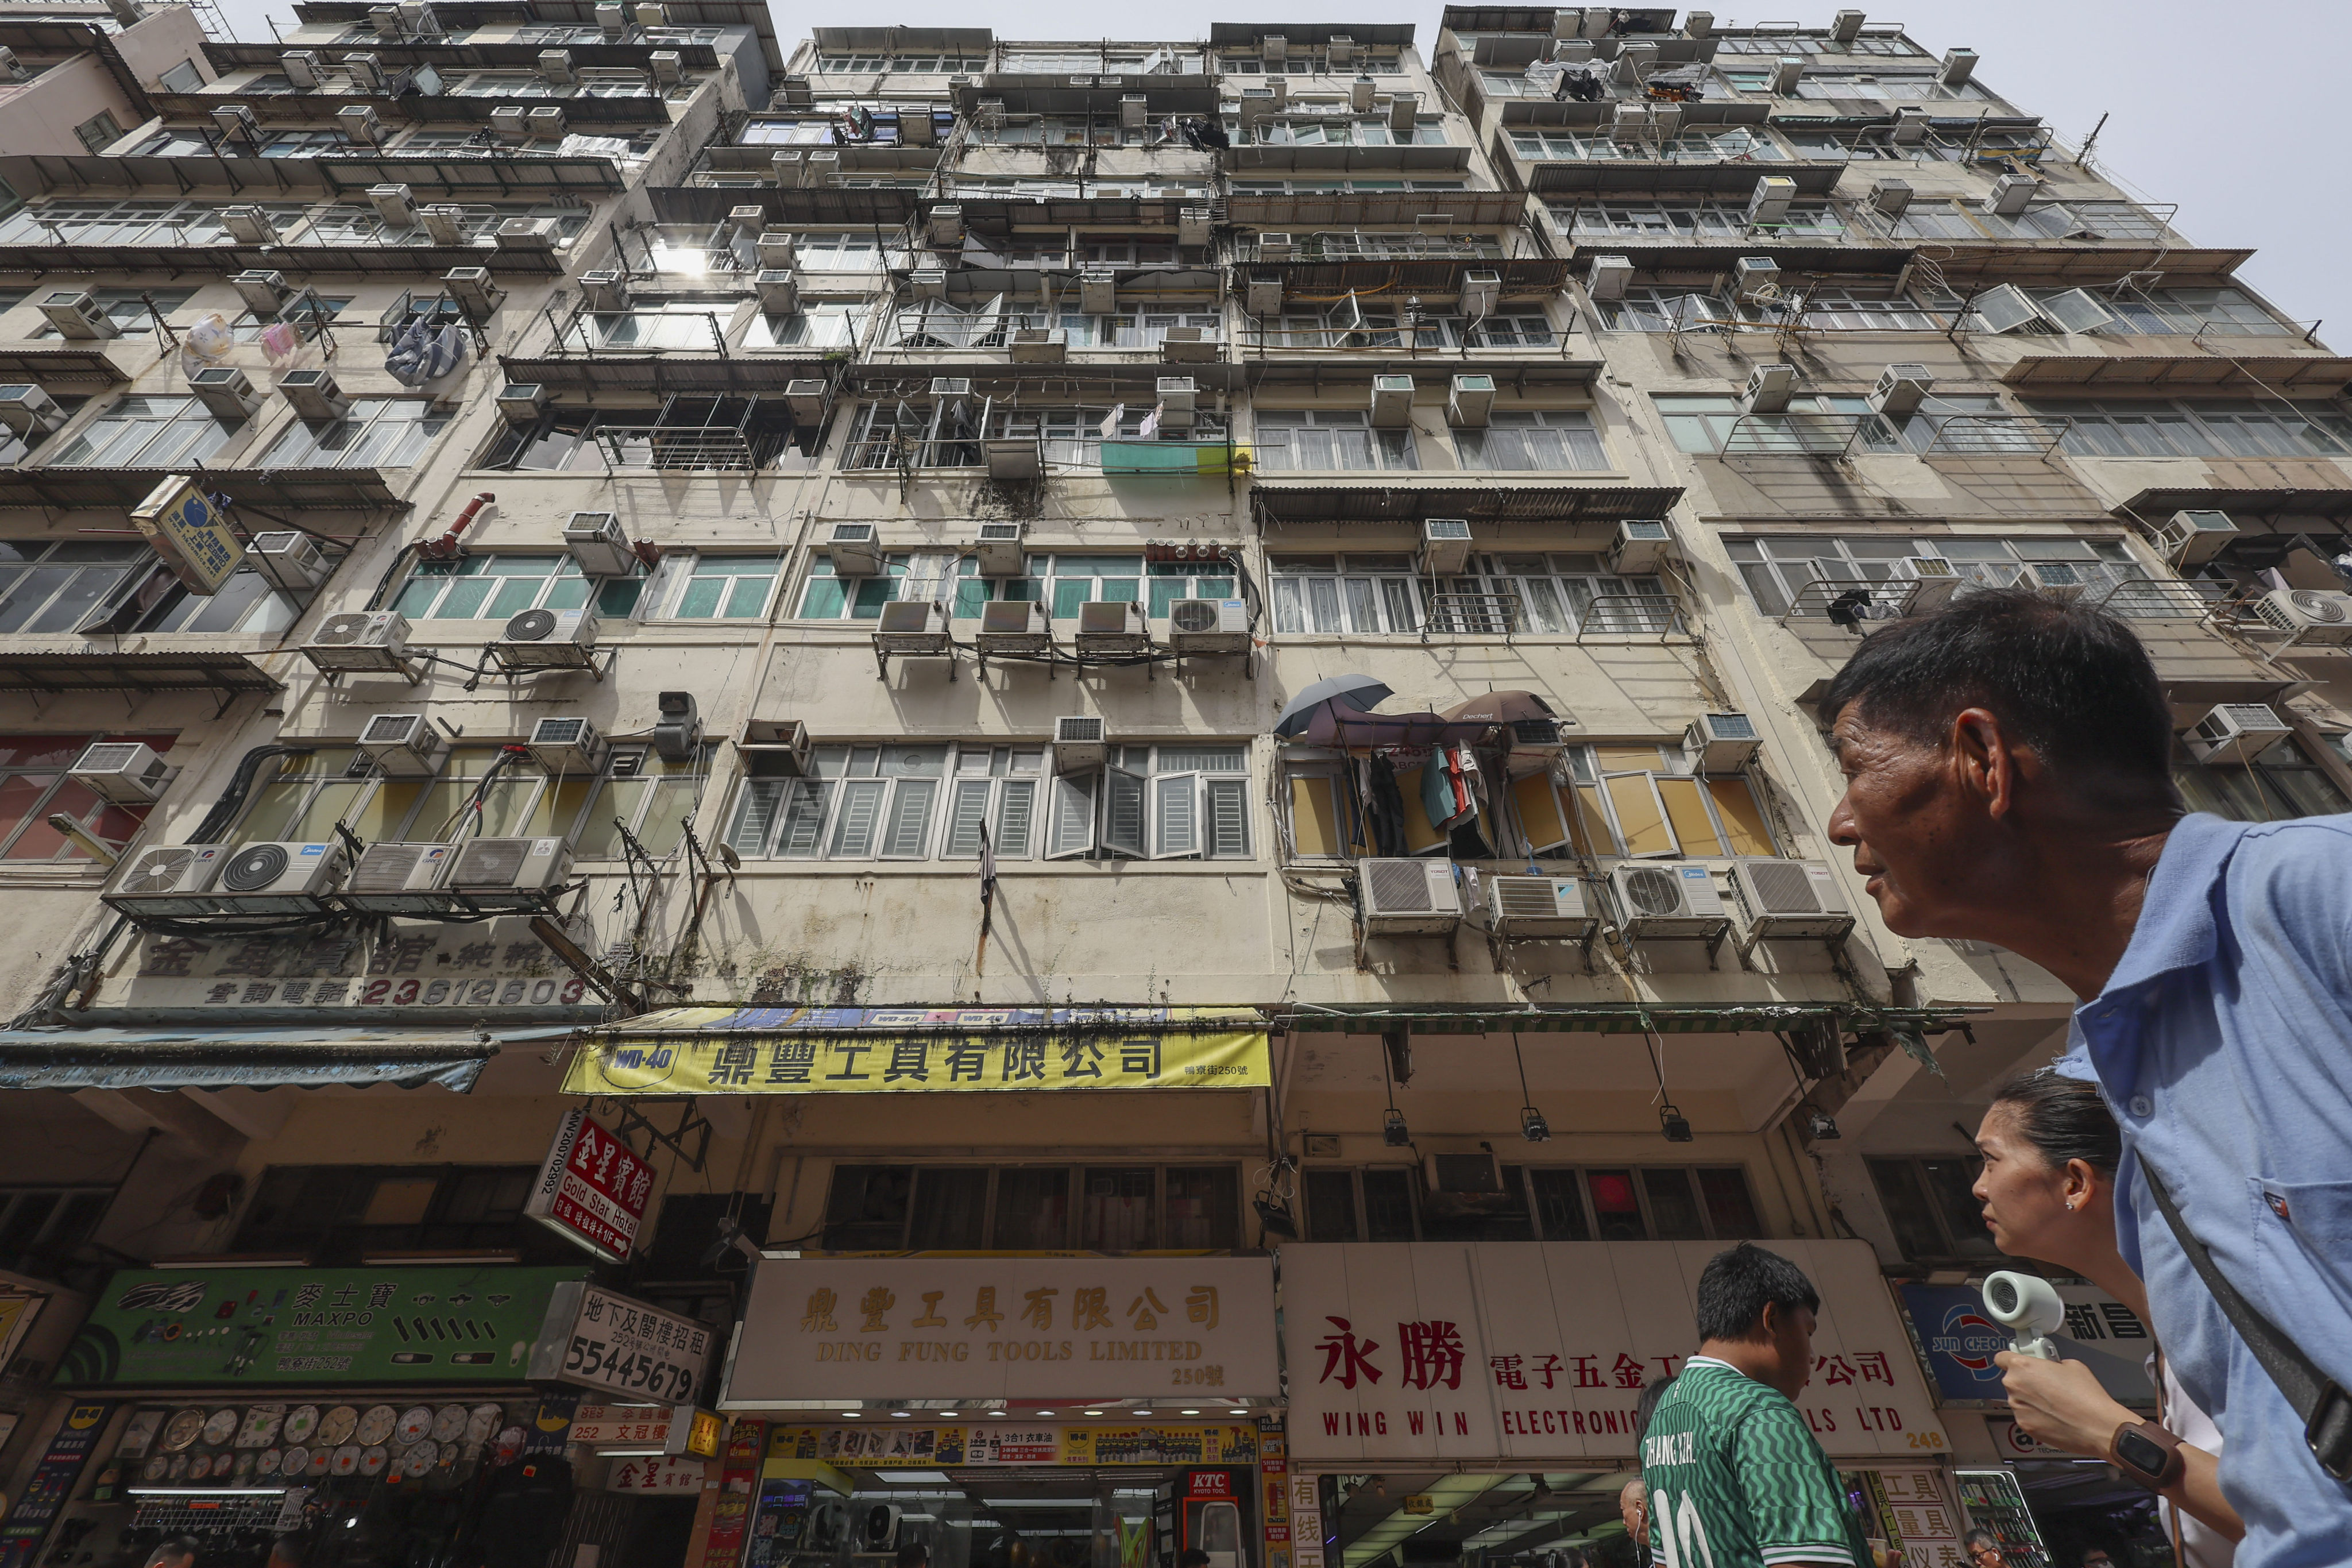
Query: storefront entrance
[(1558, 1519)]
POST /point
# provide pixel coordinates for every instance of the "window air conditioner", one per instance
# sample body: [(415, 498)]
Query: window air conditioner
[(359, 640), (912, 626), (1470, 403), (1040, 345), (2235, 732), (1539, 907), (1846, 27), (1360, 94), (567, 745), (599, 544), (395, 204), (2193, 538), (301, 68), (521, 401), (405, 745), (775, 748), (1665, 898), (1274, 248), (473, 289), (2054, 579), (1134, 111), (669, 66), (236, 119), (1901, 389), (278, 878), (1079, 743), (490, 871), (359, 124), (1113, 626), (1391, 401), (1958, 65), (1482, 290), (1098, 291), (928, 284), (1769, 202), (366, 69), (29, 411), (290, 561), (165, 881), (1209, 626), (508, 123), (1790, 898), (314, 394), (1890, 198), (124, 772), (544, 121), (1754, 277), (2011, 194), (1640, 547), (1769, 389), (854, 550), (1408, 897), (778, 290), (263, 292), (1261, 295), (943, 386), (1444, 546), (1910, 127), (75, 313), (776, 250), (651, 14), (1013, 457), (805, 398), (555, 64), (1013, 625), (399, 879), (1787, 73), (1404, 113), (943, 226), (1631, 122), (1193, 226), (227, 391), (1176, 395), (247, 225), (749, 221), (999, 551), (606, 289), (1608, 276), (1719, 743), (1937, 580)]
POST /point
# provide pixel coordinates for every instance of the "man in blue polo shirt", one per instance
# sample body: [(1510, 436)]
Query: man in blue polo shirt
[(2008, 765)]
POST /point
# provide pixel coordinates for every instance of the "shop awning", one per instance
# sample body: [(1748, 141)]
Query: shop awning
[(915, 1050), (177, 1059), (1622, 1019)]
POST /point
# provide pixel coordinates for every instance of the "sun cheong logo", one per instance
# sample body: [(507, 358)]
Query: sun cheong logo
[(1972, 1340)]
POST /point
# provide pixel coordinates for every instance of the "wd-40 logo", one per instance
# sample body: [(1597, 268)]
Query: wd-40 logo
[(637, 1057), (1972, 1340)]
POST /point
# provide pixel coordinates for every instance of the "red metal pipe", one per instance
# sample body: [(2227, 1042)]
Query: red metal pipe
[(443, 548)]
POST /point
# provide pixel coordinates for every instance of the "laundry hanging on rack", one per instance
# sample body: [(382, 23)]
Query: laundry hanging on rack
[(1384, 805)]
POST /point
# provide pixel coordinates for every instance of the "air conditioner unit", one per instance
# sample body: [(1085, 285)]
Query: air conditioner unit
[(1444, 546), (2312, 615), (1769, 389), (1769, 202), (359, 124), (927, 284), (1790, 898), (999, 551), (508, 123), (247, 225), (1787, 73), (823, 168), (668, 67), (1176, 394), (1134, 111), (778, 290), (1040, 345), (2010, 194), (1013, 457), (1910, 126), (1665, 898), (949, 386), (1754, 277), (124, 772), (359, 640), (1079, 743), (1098, 291), (567, 745), (1261, 295), (555, 64), (1608, 276), (1538, 906), (1391, 401), (302, 68), (395, 204), (2054, 579), (1404, 113), (490, 872), (2193, 538), (599, 544), (1458, 1180), (1195, 226), (1360, 93), (805, 399), (473, 289), (521, 401), (288, 560), (776, 250), (678, 729), (1938, 581), (854, 550), (544, 121), (236, 119), (1719, 743), (1890, 198), (1631, 123), (606, 289), (1113, 626), (314, 394), (1274, 49), (75, 313), (1470, 403), (912, 626), (548, 639), (2233, 732), (227, 391), (1482, 290), (164, 882), (367, 72), (1209, 626), (1958, 65), (527, 234), (1013, 625), (29, 411), (775, 748), (263, 292), (1640, 547), (1666, 121), (1408, 897), (1901, 389), (943, 226), (405, 745), (274, 879), (1341, 49), (1276, 247)]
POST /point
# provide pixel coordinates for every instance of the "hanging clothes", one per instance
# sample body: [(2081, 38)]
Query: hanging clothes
[(1437, 797), (1384, 804)]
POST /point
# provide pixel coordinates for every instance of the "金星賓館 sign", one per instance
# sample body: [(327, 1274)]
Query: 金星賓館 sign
[(821, 1331), (1516, 1353)]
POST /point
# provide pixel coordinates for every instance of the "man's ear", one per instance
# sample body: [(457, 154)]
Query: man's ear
[(1984, 759)]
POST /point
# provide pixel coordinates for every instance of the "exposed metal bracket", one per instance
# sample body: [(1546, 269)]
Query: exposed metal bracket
[(691, 1121)]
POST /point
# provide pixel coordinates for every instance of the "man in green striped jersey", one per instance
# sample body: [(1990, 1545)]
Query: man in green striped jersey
[(1735, 1477)]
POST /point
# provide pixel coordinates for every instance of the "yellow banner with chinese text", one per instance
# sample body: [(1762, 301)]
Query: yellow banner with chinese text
[(903, 1050)]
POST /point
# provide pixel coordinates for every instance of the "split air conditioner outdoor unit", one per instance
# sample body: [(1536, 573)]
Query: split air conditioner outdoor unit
[(1539, 907), (1640, 547), (1769, 389), (314, 394), (1194, 224), (510, 123), (263, 292), (405, 745), (1901, 389), (508, 872), (1470, 403), (393, 879), (1482, 290), (668, 67), (1080, 742), (927, 284), (236, 119), (527, 234), (29, 411), (2313, 615), (1444, 546), (1665, 898), (854, 548), (1391, 401), (776, 250), (2236, 732), (1113, 626), (1098, 291), (1787, 73), (912, 626), (1608, 276), (999, 551), (291, 561), (1209, 626), (1719, 743), (599, 544), (165, 881), (366, 69), (359, 640), (567, 745), (75, 313), (1013, 625), (545, 120), (278, 878), (1790, 898), (1846, 25), (1408, 897), (2193, 538), (1910, 126), (521, 401), (548, 639), (124, 772), (1404, 113), (227, 391), (1958, 65), (943, 226), (445, 224)]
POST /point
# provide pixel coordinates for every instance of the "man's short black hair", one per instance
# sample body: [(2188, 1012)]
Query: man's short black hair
[(915, 1554), (1739, 1282), (2067, 679)]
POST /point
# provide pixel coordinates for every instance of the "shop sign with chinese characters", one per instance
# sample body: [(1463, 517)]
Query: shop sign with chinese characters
[(662, 1475), (1914, 1516), (591, 1188), (825, 1330), (1959, 1342), (446, 972), (1510, 1353), (601, 1341), (900, 1447)]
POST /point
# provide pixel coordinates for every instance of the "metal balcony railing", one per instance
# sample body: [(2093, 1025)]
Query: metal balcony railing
[(680, 447), (1474, 614), (1629, 615)]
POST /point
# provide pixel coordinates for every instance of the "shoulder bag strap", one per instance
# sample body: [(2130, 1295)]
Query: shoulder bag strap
[(2324, 1407)]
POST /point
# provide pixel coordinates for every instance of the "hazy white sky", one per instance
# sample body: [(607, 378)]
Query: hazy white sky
[(2227, 111)]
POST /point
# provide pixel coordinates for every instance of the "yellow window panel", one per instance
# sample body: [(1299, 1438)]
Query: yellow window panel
[(1626, 759), (1588, 823), (1313, 828), (1541, 817), (1420, 835), (1688, 812), (1743, 819), (1638, 817)]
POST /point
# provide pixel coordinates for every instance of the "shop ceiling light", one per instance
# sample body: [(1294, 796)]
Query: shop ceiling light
[(901, 1414), (1188, 1413), (1092, 1413), (1236, 1412)]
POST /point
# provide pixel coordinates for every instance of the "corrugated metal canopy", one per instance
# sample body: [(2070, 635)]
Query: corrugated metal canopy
[(2319, 375), (1677, 256), (268, 57), (1222, 33), (765, 376), (2158, 504), (218, 261), (1521, 275), (790, 204), (308, 1058), (447, 173), (2085, 262), (50, 368), (327, 488), (1270, 209), (1560, 176), (1323, 501), (321, 108), (221, 673)]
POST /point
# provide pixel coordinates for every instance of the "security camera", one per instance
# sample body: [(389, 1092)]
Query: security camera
[(2029, 1308)]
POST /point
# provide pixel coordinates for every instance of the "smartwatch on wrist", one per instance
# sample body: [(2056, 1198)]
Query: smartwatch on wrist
[(2147, 1454)]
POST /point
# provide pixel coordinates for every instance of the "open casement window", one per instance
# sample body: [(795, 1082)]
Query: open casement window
[(1196, 816), (1125, 826), (1070, 825), (1638, 796)]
